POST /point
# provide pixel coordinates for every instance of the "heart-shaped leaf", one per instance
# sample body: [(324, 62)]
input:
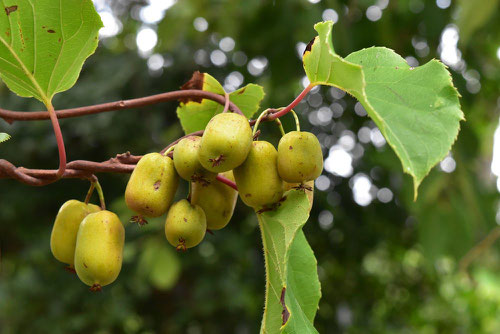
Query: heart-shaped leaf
[(43, 44), (195, 114), (416, 109)]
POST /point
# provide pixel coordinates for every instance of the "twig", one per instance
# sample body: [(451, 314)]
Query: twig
[(11, 116), (122, 163)]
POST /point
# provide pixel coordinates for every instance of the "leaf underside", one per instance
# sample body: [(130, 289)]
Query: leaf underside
[(43, 44), (195, 115), (292, 284), (416, 109)]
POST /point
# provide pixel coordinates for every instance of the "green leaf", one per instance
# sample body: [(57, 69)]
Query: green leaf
[(159, 264), (195, 115), (416, 109), (4, 137), (291, 273), (43, 44)]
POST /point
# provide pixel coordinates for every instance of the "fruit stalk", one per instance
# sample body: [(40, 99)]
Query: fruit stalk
[(292, 105)]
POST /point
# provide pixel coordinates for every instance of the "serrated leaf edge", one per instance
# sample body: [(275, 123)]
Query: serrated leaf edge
[(6, 137), (288, 244), (383, 128)]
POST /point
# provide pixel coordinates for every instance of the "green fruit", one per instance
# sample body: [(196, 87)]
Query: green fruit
[(299, 157), (152, 185), (187, 164), (65, 229), (258, 181), (308, 187), (217, 201), (225, 143), (186, 225), (99, 249)]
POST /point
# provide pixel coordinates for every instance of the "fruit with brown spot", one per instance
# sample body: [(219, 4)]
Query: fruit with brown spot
[(99, 249), (300, 157), (225, 142), (65, 229), (186, 225), (187, 164), (258, 181), (152, 185), (307, 187), (217, 201)]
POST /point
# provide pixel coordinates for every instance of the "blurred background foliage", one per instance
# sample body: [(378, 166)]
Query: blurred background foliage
[(386, 264)]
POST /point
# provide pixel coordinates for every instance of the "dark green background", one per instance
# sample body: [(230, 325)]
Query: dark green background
[(384, 268)]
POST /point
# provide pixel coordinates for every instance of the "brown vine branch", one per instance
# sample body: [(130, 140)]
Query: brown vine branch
[(11, 116), (121, 163)]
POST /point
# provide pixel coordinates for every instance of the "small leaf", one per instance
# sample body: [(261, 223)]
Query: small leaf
[(195, 115), (292, 284), (4, 137), (44, 43), (416, 109)]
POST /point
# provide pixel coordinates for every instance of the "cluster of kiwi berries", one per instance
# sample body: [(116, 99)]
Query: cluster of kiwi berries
[(91, 240), (261, 173)]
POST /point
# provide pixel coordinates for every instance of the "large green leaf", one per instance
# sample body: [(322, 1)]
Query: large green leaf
[(43, 44), (416, 109), (291, 273), (195, 115), (4, 137)]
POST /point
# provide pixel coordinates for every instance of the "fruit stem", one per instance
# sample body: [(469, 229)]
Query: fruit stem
[(189, 192), (90, 192), (101, 194), (59, 139), (170, 149), (226, 181), (226, 105), (255, 127), (277, 120), (297, 123), (292, 105)]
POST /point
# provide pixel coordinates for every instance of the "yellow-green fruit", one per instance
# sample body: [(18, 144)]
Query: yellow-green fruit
[(308, 187), (225, 142), (217, 201), (186, 225), (152, 185), (65, 229), (258, 181), (187, 164), (99, 249), (299, 157)]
